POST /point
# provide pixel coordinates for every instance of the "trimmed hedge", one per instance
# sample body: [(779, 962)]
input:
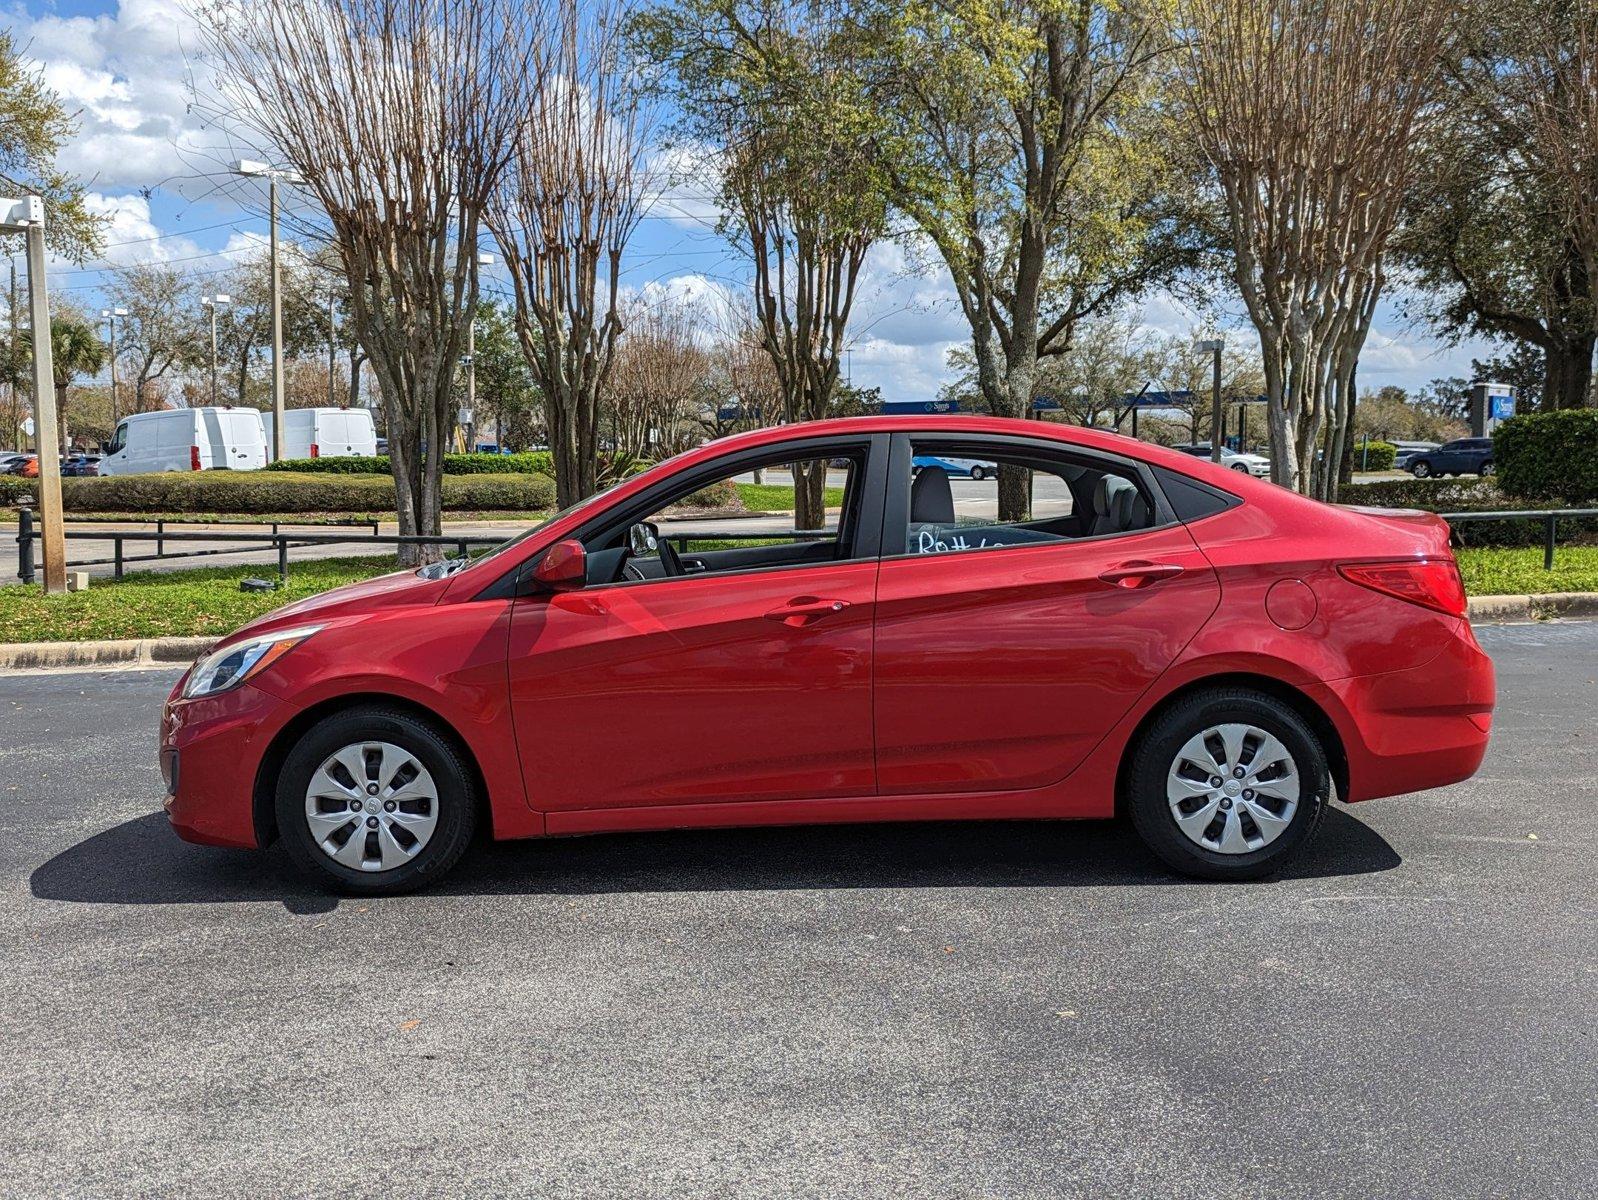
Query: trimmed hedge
[(281, 492), (535, 463), (1467, 494), (1549, 456), (1377, 456)]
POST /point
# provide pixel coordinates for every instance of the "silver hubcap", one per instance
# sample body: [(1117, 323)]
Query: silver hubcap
[(1233, 789), (371, 806)]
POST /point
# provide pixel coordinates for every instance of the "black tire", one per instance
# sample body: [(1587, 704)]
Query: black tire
[(978, 474), (1157, 750), (1421, 470), (1240, 467), (457, 800), (1486, 469)]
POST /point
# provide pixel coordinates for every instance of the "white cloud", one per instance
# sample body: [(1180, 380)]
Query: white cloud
[(127, 74), (131, 236)]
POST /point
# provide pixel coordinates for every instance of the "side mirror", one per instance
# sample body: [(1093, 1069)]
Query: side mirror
[(643, 539), (564, 567)]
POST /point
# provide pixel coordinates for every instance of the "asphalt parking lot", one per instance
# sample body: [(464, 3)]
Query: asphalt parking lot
[(997, 1010)]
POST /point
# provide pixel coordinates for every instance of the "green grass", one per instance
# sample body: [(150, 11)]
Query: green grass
[(169, 604), (778, 497), (1519, 572), (208, 600)]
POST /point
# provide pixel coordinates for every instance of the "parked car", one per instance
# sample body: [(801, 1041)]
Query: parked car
[(1256, 465), (81, 464), (187, 439), (970, 467), (1206, 652), (10, 464), (325, 433), (27, 467), (1406, 451), (1464, 456)]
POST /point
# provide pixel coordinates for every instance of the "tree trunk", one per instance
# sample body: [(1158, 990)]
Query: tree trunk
[(810, 494), (1567, 375)]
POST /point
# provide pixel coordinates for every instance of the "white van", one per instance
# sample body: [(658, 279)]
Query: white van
[(187, 439), (325, 433)]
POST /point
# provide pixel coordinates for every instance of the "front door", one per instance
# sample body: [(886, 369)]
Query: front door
[(737, 669), (1007, 649)]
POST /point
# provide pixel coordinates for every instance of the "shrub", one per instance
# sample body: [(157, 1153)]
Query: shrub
[(1549, 456), (721, 494), (1374, 456), (535, 463), (284, 492), (1468, 494)]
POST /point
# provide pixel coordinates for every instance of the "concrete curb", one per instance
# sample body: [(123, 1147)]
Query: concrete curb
[(44, 656), (38, 656), (1493, 609)]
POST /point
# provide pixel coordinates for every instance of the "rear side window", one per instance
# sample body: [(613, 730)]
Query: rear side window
[(1191, 500), (955, 498)]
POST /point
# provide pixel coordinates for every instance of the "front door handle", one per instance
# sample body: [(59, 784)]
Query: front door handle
[(804, 610), (1137, 573)]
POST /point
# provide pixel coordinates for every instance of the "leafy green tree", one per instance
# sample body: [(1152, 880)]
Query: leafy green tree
[(1031, 144), (506, 394), (76, 350), (33, 125)]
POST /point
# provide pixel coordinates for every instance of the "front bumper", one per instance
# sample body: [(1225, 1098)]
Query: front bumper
[(211, 750)]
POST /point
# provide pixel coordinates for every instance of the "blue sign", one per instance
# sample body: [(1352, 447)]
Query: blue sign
[(1500, 406), (728, 412), (920, 406), (1045, 404)]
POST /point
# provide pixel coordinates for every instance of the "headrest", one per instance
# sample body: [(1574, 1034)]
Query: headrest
[(931, 498)]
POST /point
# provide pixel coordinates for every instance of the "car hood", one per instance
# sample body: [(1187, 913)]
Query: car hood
[(400, 588)]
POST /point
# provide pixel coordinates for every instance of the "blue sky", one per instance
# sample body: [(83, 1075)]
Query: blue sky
[(160, 174)]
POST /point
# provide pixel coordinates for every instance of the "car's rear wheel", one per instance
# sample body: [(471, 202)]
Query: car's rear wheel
[(1486, 469), (1227, 784), (1421, 470), (375, 801)]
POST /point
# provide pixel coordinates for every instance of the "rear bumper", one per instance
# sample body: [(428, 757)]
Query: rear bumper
[(1426, 727), (210, 752)]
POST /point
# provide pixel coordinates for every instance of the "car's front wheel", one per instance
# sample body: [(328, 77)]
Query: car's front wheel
[(375, 801), (1227, 784), (978, 474), (1486, 469)]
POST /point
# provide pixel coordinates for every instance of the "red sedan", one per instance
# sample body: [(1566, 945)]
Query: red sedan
[(1132, 630)]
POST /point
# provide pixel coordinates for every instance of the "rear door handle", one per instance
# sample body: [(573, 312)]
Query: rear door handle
[(804, 610), (1137, 574)]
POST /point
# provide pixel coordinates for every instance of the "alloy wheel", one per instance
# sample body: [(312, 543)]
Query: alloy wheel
[(1233, 789), (371, 806)]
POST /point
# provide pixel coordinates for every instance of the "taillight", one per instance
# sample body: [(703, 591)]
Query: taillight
[(1432, 583), (194, 458), (316, 451)]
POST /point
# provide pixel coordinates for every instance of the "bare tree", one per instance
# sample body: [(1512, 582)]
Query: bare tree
[(563, 216), (659, 376), (1309, 111), (402, 117), (161, 332)]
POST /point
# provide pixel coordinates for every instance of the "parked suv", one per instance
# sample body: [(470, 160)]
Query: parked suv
[(1464, 456)]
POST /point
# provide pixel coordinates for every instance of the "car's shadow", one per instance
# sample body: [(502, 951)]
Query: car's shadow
[(142, 862)]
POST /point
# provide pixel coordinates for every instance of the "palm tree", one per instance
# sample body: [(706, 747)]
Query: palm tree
[(75, 350)]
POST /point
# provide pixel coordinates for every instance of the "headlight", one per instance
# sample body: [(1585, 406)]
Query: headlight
[(229, 667)]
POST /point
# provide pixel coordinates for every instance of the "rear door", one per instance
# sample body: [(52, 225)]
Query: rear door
[(1007, 649)]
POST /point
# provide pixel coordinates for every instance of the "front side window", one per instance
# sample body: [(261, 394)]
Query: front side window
[(746, 519), (119, 440), (1023, 497)]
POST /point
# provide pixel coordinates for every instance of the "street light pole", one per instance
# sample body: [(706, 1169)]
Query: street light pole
[(111, 315), (212, 302), (483, 260), (250, 167), (1214, 346), (26, 216)]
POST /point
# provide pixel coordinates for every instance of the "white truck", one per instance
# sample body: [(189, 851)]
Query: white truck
[(186, 439), (325, 433)]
